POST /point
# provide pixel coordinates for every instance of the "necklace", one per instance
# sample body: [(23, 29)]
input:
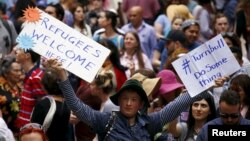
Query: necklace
[(197, 130)]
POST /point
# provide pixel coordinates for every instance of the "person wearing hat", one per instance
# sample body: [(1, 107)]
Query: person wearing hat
[(160, 52), (176, 43), (128, 123), (169, 89), (191, 29)]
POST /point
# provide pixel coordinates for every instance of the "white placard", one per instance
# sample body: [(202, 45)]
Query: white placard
[(200, 67), (52, 38)]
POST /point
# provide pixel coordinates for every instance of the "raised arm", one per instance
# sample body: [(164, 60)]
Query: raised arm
[(81, 110), (181, 103)]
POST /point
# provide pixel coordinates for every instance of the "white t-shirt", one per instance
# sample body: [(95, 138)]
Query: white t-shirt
[(5, 132)]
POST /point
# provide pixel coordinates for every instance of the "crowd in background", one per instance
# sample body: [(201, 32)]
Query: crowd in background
[(144, 37)]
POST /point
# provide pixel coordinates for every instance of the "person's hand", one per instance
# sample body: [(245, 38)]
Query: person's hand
[(220, 81), (57, 66), (73, 119), (131, 67)]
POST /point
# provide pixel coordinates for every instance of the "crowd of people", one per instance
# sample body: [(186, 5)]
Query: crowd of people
[(137, 93)]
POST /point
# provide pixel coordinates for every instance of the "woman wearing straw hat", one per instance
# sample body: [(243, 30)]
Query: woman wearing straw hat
[(128, 123)]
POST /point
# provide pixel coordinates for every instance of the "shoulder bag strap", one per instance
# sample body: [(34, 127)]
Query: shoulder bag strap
[(49, 117)]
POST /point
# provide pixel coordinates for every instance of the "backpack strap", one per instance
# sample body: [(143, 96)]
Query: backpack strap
[(109, 125), (49, 117), (119, 41)]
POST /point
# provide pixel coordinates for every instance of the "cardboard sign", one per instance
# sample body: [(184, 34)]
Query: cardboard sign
[(52, 38), (199, 68)]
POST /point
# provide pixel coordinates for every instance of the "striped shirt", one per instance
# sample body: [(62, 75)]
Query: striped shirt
[(32, 90)]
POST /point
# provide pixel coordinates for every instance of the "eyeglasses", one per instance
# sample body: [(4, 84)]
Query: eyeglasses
[(31, 125), (233, 116)]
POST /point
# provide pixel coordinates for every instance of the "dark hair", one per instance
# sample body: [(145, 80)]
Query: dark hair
[(230, 97), (243, 80), (211, 116), (138, 49), (237, 51), (82, 23), (3, 7), (234, 38), (50, 82), (35, 58), (6, 63), (59, 10), (113, 17), (114, 55)]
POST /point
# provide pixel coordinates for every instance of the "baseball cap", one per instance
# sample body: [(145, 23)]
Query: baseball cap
[(177, 35)]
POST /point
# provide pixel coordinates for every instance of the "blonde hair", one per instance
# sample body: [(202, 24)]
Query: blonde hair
[(178, 10), (104, 81)]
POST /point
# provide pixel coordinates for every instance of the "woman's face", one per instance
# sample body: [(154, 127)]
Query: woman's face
[(102, 20), (79, 14), (176, 25), (200, 110), (130, 41), (192, 33)]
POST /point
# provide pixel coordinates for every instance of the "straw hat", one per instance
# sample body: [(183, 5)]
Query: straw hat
[(150, 85)]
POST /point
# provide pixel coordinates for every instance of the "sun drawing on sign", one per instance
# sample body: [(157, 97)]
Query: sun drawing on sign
[(32, 14), (25, 42)]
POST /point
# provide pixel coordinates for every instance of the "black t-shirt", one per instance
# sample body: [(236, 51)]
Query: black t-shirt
[(60, 124)]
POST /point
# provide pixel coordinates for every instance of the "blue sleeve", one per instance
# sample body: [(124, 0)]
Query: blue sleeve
[(152, 43), (174, 108), (164, 56), (82, 111)]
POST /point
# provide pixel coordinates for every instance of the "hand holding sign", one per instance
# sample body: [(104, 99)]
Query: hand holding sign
[(55, 64), (51, 38), (201, 67)]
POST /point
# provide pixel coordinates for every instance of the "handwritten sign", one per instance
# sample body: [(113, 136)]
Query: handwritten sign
[(52, 38), (199, 68)]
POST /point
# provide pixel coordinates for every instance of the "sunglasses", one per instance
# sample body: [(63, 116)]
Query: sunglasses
[(31, 125), (233, 116)]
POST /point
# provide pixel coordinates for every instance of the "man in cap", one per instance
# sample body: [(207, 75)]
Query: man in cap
[(128, 123), (175, 41)]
